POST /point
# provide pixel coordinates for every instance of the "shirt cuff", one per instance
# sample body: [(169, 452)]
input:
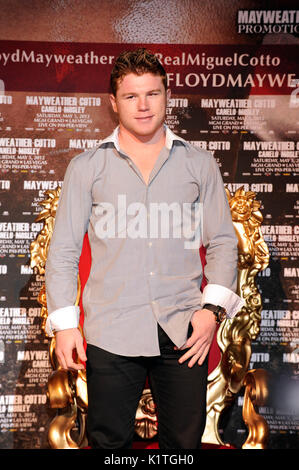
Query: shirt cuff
[(219, 295), (62, 319)]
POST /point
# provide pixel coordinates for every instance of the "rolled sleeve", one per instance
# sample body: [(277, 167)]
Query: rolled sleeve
[(62, 319), (219, 295)]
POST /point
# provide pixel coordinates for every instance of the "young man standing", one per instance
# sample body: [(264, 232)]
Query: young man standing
[(138, 194)]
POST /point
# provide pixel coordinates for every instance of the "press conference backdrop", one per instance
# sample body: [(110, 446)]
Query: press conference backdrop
[(233, 71)]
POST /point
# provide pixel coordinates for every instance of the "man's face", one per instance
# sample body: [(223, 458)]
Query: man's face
[(140, 103)]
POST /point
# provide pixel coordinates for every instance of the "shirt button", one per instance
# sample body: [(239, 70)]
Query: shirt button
[(150, 243), (152, 273)]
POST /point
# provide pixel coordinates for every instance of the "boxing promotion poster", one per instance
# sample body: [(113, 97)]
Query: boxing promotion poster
[(238, 99)]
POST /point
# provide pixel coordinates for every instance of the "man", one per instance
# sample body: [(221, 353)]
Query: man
[(145, 315)]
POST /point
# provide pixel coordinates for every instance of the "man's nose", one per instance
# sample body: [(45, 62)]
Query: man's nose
[(143, 103)]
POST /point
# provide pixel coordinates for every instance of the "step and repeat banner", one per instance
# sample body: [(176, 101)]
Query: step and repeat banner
[(239, 101)]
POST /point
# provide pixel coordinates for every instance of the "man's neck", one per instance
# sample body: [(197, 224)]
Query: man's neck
[(141, 145), (143, 151)]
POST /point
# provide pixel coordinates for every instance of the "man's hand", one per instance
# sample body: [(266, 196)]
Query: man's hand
[(66, 342), (204, 326)]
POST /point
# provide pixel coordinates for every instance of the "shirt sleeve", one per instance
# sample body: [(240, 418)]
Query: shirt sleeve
[(62, 265), (220, 241), (62, 319)]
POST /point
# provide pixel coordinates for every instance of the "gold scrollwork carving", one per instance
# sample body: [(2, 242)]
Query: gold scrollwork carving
[(234, 336), (146, 425), (256, 394)]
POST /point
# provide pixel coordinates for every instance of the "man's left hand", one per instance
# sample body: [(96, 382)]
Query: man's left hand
[(204, 326)]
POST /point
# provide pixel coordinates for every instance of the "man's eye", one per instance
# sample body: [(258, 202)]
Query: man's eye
[(129, 97)]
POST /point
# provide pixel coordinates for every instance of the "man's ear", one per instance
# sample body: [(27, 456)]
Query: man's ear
[(113, 103)]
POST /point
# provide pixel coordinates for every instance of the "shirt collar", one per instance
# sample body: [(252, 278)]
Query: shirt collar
[(170, 138)]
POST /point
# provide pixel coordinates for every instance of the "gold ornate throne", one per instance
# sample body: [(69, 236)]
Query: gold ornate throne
[(67, 391)]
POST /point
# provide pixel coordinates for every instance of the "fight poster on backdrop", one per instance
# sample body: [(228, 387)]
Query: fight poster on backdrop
[(240, 102)]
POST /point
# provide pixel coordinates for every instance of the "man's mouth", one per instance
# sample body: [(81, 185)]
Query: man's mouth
[(144, 118)]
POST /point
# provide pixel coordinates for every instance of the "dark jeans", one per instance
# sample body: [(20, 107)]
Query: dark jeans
[(115, 384)]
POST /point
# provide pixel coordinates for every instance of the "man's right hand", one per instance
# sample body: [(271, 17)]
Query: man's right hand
[(66, 342)]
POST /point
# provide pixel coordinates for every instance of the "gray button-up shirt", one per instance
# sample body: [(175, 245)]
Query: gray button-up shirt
[(144, 241)]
